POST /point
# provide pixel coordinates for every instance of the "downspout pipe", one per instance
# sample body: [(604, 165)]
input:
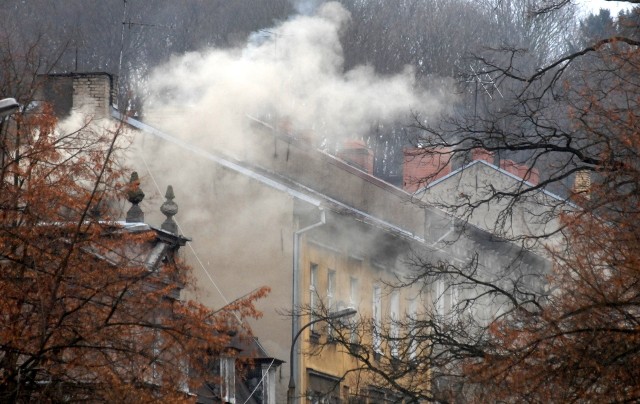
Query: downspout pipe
[(296, 298)]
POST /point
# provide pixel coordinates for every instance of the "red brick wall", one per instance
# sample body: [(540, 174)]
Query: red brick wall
[(520, 170), (423, 166), (482, 154)]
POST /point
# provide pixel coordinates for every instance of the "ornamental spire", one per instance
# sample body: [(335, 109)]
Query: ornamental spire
[(169, 208), (135, 196)]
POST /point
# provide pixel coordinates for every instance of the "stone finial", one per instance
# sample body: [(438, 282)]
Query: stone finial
[(135, 196), (169, 208)]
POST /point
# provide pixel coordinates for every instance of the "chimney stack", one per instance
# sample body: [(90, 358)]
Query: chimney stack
[(582, 183), (424, 165), (482, 154), (92, 93), (523, 171), (357, 154)]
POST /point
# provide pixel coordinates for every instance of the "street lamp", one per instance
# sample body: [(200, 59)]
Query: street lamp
[(8, 106), (348, 312)]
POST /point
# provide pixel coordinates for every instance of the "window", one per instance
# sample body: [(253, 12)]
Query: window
[(353, 292), (353, 303), (313, 292), (228, 379), (323, 388), (438, 297), (155, 374), (331, 288), (269, 383), (445, 297), (394, 311), (454, 297), (413, 316), (259, 380), (377, 319), (331, 306)]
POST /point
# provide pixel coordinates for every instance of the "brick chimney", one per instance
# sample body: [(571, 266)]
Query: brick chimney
[(582, 183), (520, 170), (424, 165), (482, 154), (93, 93), (357, 154)]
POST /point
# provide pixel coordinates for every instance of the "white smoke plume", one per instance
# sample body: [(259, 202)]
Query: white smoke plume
[(291, 73), (290, 76)]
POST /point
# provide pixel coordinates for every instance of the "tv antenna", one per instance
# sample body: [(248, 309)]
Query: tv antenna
[(484, 80), (124, 20), (129, 24)]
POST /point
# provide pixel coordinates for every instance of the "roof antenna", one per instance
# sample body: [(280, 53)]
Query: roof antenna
[(124, 22), (485, 80)]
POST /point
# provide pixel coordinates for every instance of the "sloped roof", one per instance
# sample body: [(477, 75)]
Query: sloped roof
[(280, 182), (498, 171)]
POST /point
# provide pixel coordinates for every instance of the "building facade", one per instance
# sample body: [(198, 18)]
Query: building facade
[(321, 231)]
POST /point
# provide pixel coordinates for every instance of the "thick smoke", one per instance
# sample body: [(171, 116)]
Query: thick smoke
[(291, 75)]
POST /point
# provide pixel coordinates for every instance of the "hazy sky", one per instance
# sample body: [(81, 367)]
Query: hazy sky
[(592, 6)]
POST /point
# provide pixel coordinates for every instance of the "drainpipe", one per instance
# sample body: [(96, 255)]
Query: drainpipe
[(295, 303)]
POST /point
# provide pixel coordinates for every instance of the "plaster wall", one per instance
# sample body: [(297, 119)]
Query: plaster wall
[(533, 214)]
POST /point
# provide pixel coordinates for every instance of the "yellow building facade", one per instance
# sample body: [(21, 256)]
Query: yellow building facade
[(339, 275)]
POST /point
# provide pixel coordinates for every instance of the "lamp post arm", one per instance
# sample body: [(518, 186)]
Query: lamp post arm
[(292, 384), (295, 340)]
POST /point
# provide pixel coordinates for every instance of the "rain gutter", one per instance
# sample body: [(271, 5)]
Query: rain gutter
[(296, 298), (218, 160)]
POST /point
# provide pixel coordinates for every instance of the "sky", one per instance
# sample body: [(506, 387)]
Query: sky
[(593, 6)]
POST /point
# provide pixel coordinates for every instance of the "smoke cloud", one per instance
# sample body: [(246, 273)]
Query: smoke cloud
[(293, 74)]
